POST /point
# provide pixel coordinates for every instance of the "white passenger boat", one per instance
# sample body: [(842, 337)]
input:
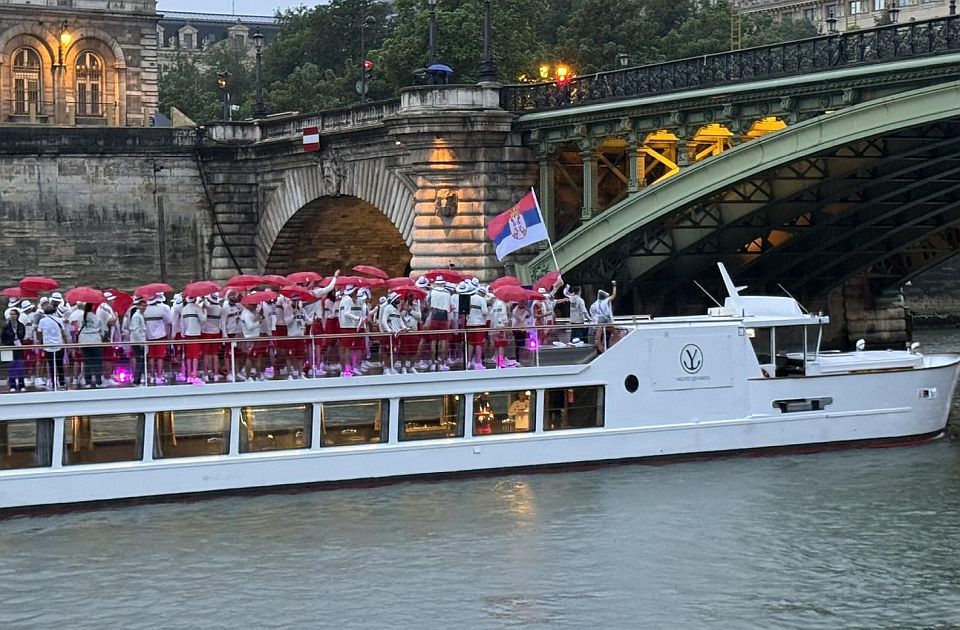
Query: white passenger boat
[(748, 375)]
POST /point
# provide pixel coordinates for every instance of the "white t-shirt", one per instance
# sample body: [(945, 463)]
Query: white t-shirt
[(51, 328), (249, 324), (478, 311)]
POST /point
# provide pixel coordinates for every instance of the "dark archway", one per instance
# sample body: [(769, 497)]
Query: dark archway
[(337, 233)]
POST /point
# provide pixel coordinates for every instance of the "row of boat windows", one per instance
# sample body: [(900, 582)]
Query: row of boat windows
[(119, 437)]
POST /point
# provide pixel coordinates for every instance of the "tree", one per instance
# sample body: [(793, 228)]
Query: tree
[(190, 84), (182, 86)]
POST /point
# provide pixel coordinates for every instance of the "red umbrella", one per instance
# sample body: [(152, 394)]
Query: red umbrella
[(276, 281), (150, 290), (505, 282), (512, 293), (258, 297), (122, 301), (402, 281), (245, 281), (85, 294), (39, 283), (370, 270), (547, 281), (535, 295), (298, 293), (17, 292), (449, 275), (202, 288), (411, 290), (303, 277)]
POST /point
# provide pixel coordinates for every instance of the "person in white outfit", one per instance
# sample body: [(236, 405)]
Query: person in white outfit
[(293, 350), (112, 336), (350, 317), (137, 334), (158, 317), (192, 317), (230, 323), (602, 312), (92, 330), (212, 331), (251, 328), (391, 323), (476, 319), (579, 316)]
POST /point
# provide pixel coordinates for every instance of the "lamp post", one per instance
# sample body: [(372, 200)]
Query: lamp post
[(488, 67), (432, 43), (623, 60), (893, 12), (368, 22), (63, 40), (223, 84), (953, 7), (831, 23), (259, 109)]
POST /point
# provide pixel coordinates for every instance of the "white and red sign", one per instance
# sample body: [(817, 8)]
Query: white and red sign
[(311, 139)]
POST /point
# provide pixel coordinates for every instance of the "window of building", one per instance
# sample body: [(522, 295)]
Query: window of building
[(101, 439), (240, 41), (431, 417), (89, 78), (503, 412), (856, 6), (833, 10), (26, 443), (878, 5), (27, 83), (356, 422), (808, 14), (275, 428), (191, 433), (573, 408)]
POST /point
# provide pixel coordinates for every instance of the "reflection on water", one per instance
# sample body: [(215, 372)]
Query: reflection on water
[(863, 538)]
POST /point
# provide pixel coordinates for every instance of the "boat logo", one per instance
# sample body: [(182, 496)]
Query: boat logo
[(691, 358), (518, 227)]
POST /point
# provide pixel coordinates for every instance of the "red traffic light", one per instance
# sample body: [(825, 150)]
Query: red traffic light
[(367, 65)]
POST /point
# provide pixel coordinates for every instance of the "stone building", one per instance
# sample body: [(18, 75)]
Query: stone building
[(190, 34), (849, 14), (78, 62)]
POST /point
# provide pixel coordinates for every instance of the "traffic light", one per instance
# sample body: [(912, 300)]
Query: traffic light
[(367, 69), (563, 75), (223, 81)]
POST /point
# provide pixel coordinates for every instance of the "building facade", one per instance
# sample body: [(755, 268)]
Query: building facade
[(191, 34), (849, 14), (78, 62)]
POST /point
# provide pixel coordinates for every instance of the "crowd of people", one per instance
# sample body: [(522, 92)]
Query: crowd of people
[(339, 330)]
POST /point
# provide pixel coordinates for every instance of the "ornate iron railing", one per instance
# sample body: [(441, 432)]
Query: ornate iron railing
[(864, 47)]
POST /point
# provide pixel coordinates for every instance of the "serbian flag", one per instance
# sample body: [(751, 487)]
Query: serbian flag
[(518, 227)]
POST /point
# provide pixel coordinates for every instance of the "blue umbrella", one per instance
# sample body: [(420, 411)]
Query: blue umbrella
[(441, 67)]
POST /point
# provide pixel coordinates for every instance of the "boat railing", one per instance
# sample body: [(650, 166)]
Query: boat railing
[(38, 367)]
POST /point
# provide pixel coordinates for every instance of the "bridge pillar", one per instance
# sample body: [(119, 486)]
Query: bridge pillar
[(633, 166), (546, 191), (856, 313), (590, 183), (467, 165)]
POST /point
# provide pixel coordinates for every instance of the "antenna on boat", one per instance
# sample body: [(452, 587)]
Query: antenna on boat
[(732, 290), (700, 286), (782, 288)]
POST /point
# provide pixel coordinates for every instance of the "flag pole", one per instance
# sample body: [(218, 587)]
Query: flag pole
[(549, 242)]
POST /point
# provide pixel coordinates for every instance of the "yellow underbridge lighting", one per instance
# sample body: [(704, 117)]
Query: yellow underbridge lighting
[(713, 139), (764, 126), (658, 158)]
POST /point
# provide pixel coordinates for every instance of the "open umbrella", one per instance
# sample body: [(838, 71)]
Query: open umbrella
[(298, 293), (441, 67), (276, 281), (39, 283), (303, 277), (370, 270), (411, 290), (505, 281), (17, 292), (401, 281), (244, 282), (202, 288), (121, 302), (548, 280), (359, 281), (150, 290), (449, 275), (258, 297), (85, 295), (535, 295), (513, 293)]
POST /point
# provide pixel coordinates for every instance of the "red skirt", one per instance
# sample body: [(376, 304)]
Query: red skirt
[(501, 339), (356, 341), (211, 349), (192, 350), (409, 343), (476, 337), (437, 324), (157, 351)]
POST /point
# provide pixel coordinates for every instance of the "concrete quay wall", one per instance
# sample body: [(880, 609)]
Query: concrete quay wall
[(106, 207)]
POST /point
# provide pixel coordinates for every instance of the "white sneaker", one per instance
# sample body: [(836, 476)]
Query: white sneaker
[(13, 388), (109, 382), (422, 365), (229, 378), (268, 373), (479, 366), (159, 381), (411, 370), (290, 377), (444, 367), (216, 378), (181, 378)]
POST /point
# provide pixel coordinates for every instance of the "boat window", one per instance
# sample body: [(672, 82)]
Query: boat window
[(26, 443), (573, 408), (275, 428), (503, 412), (102, 439), (431, 417), (760, 340), (789, 348), (356, 422), (191, 433)]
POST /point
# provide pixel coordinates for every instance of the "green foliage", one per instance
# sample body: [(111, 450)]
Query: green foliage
[(314, 62)]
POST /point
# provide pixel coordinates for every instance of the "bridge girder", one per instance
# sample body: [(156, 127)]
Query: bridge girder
[(802, 207)]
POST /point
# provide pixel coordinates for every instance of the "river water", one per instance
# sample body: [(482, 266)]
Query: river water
[(848, 539)]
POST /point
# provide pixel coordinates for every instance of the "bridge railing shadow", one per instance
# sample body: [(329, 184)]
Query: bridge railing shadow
[(870, 46)]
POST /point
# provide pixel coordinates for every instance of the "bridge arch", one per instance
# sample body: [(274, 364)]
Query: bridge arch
[(380, 202), (864, 190)]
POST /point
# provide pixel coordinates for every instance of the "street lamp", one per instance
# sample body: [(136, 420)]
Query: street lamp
[(368, 22), (832, 23), (893, 12), (64, 39), (953, 7), (432, 44), (488, 67), (623, 60), (223, 84), (259, 109)]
